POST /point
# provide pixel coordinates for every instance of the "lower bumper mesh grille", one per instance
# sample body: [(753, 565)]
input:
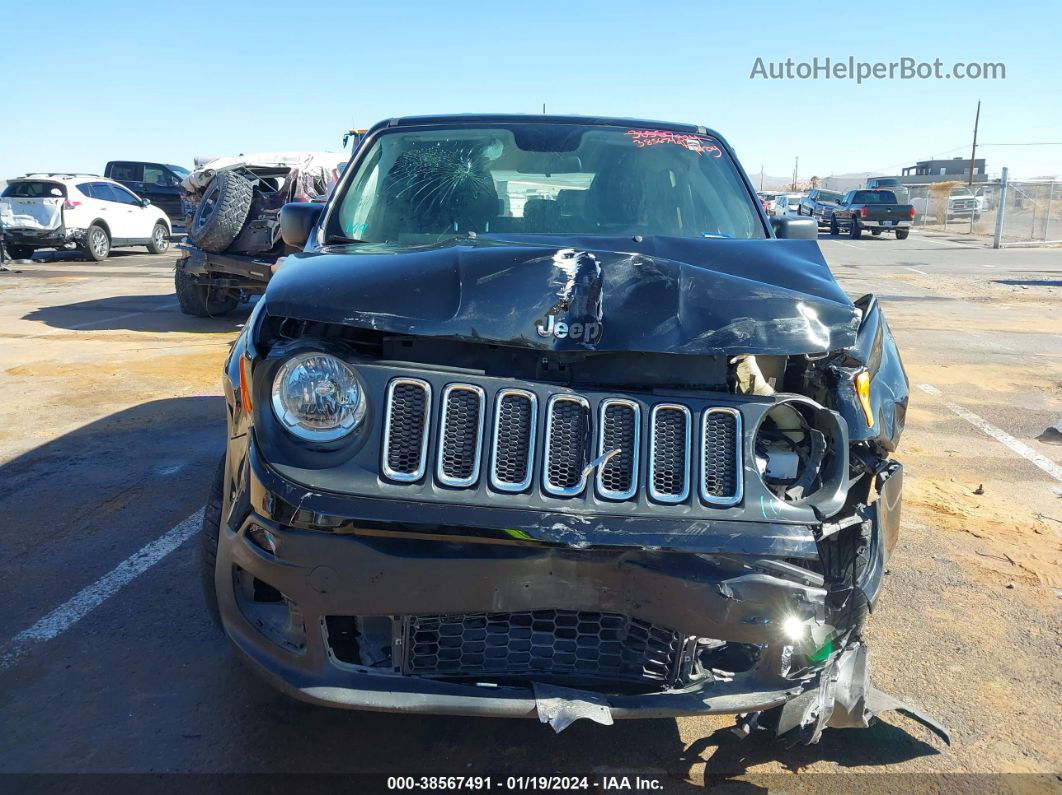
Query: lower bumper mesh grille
[(562, 643)]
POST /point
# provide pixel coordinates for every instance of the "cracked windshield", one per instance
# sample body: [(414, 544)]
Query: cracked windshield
[(425, 187)]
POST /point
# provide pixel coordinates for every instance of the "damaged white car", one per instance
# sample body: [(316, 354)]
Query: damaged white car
[(78, 211)]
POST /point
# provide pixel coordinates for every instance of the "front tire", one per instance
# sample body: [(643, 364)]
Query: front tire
[(834, 228), (209, 533), (854, 231), (97, 245), (202, 300), (160, 239)]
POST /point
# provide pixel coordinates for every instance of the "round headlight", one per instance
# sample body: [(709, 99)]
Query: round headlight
[(317, 397)]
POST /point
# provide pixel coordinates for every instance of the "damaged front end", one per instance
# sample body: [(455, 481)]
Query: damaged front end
[(560, 476)]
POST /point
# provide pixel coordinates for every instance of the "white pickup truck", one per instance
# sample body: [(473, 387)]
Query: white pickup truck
[(78, 211), (962, 203)]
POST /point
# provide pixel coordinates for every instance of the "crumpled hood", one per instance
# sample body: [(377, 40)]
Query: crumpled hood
[(666, 295)]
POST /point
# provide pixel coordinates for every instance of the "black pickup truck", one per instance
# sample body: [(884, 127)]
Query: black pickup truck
[(874, 210), (159, 182)]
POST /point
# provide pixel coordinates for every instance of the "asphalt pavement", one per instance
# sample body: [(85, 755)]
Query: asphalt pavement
[(114, 422)]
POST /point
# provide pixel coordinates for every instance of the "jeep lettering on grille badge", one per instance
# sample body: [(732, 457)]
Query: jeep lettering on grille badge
[(549, 326)]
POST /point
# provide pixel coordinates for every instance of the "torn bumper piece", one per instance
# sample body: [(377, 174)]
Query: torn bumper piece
[(845, 699)]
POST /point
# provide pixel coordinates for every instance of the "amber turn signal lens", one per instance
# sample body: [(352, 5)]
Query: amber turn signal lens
[(862, 384), (245, 390)]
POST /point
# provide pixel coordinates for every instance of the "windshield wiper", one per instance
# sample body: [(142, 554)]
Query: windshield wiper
[(343, 239)]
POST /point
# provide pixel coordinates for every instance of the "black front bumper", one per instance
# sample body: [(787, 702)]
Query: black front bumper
[(368, 567)]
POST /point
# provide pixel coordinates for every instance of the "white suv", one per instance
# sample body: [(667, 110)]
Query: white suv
[(80, 211)]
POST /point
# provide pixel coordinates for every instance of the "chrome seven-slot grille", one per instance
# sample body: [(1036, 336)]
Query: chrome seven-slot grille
[(570, 450)]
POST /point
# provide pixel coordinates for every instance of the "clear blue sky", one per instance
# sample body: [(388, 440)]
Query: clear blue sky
[(89, 82)]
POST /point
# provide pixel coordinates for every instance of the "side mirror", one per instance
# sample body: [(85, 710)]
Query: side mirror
[(795, 228), (145, 202), (297, 220)]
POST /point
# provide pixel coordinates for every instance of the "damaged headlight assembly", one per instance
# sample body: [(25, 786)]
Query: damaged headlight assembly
[(317, 397)]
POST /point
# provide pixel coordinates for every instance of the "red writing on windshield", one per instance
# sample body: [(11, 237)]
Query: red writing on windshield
[(695, 143)]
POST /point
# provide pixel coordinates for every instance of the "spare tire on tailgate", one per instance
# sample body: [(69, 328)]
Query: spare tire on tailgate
[(221, 212)]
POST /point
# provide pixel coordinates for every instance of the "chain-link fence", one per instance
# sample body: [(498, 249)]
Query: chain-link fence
[(1002, 212)]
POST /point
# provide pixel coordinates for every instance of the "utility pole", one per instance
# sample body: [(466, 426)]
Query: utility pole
[(761, 177), (543, 108), (973, 152), (796, 168)]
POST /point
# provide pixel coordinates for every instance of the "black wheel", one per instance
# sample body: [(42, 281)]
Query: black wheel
[(901, 234), (202, 300), (875, 232), (97, 243), (160, 239), (19, 252), (209, 532), (834, 228), (854, 231), (221, 212)]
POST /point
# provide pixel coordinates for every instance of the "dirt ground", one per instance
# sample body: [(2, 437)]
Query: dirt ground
[(114, 423)]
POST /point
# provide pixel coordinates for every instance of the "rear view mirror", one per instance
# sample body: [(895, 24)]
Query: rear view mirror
[(297, 220), (795, 228)]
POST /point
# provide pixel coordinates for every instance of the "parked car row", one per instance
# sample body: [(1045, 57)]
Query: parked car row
[(872, 209)]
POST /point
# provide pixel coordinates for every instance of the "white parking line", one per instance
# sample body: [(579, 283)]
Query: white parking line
[(91, 597), (948, 242), (916, 270), (1026, 452)]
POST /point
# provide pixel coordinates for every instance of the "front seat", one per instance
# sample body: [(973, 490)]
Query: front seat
[(615, 199)]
